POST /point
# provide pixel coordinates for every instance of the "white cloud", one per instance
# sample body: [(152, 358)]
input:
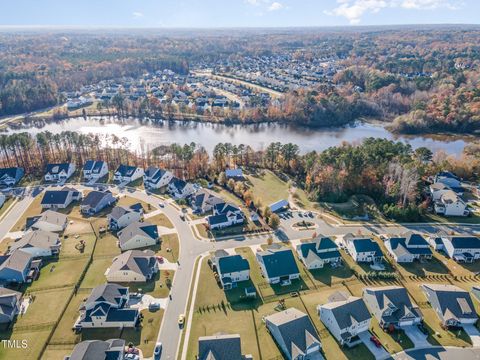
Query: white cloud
[(353, 10), (137, 14), (275, 6)]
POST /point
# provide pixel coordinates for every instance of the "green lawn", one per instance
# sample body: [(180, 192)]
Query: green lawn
[(171, 242), (269, 187), (6, 205), (160, 220), (59, 273)]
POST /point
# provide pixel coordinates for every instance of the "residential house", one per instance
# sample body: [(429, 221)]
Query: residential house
[(59, 172), (449, 179), (437, 190), (408, 247), (122, 216), (127, 173), (15, 267), (221, 347), (453, 305), (113, 349), (138, 235), (94, 170), (133, 266), (155, 178), (180, 189), (49, 220), (231, 270), (11, 176), (294, 334), (450, 204), (345, 317), (9, 304), (235, 174), (392, 306), (225, 215), (107, 307), (60, 199), (363, 249), (278, 265), (462, 248), (203, 201), (314, 254), (95, 201), (279, 206), (38, 243)]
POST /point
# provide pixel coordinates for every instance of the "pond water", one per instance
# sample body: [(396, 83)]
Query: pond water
[(147, 135)]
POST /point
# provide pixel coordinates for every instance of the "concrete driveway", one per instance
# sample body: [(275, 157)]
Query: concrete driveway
[(418, 338), (474, 334), (378, 352)]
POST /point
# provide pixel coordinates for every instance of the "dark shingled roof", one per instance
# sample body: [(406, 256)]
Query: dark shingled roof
[(99, 350), (279, 262), (219, 347), (345, 311), (232, 263)]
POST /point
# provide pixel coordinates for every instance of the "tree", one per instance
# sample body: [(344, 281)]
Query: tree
[(274, 221)]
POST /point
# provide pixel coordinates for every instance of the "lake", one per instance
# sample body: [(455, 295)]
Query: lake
[(147, 135)]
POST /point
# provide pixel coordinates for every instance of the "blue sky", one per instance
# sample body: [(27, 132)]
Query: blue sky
[(235, 13)]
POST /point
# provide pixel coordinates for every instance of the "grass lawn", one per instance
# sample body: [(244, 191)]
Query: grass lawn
[(126, 200), (59, 273), (68, 245), (203, 231), (57, 353), (160, 220), (33, 210), (458, 269), (269, 187), (331, 275), (95, 273), (425, 268), (6, 205), (228, 196), (473, 219), (169, 241), (35, 339), (157, 288), (64, 333), (107, 246), (143, 338)]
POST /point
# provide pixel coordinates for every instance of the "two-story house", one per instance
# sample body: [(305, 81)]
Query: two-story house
[(94, 170), (232, 269), (408, 247), (278, 265), (155, 178), (314, 254), (59, 172)]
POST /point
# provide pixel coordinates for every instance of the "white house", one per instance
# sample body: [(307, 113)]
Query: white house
[(180, 189), (225, 215), (278, 265), (122, 216), (94, 170), (408, 247), (155, 178), (232, 269), (450, 204), (60, 199), (59, 172), (294, 334), (133, 266), (363, 249), (438, 189), (462, 248), (316, 253), (127, 173), (345, 317), (38, 243), (203, 201), (138, 235)]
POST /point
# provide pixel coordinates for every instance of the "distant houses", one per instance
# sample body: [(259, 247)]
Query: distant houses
[(363, 249), (232, 269), (346, 317), (314, 254), (294, 334), (59, 172), (122, 216), (133, 266), (155, 178), (127, 174), (408, 247), (107, 307), (391, 306), (11, 176), (453, 305), (278, 265), (225, 215), (94, 170), (60, 199), (138, 235)]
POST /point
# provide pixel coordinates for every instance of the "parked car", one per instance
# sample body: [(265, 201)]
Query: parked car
[(181, 320), (157, 352), (160, 259), (154, 306), (377, 342)]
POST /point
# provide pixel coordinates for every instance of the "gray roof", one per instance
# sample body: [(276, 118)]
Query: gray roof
[(110, 293), (395, 298), (99, 350), (6, 296), (220, 347), (141, 262), (18, 260), (119, 211), (137, 228), (38, 238), (278, 262), (53, 217), (296, 330), (93, 198), (348, 311), (450, 301)]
